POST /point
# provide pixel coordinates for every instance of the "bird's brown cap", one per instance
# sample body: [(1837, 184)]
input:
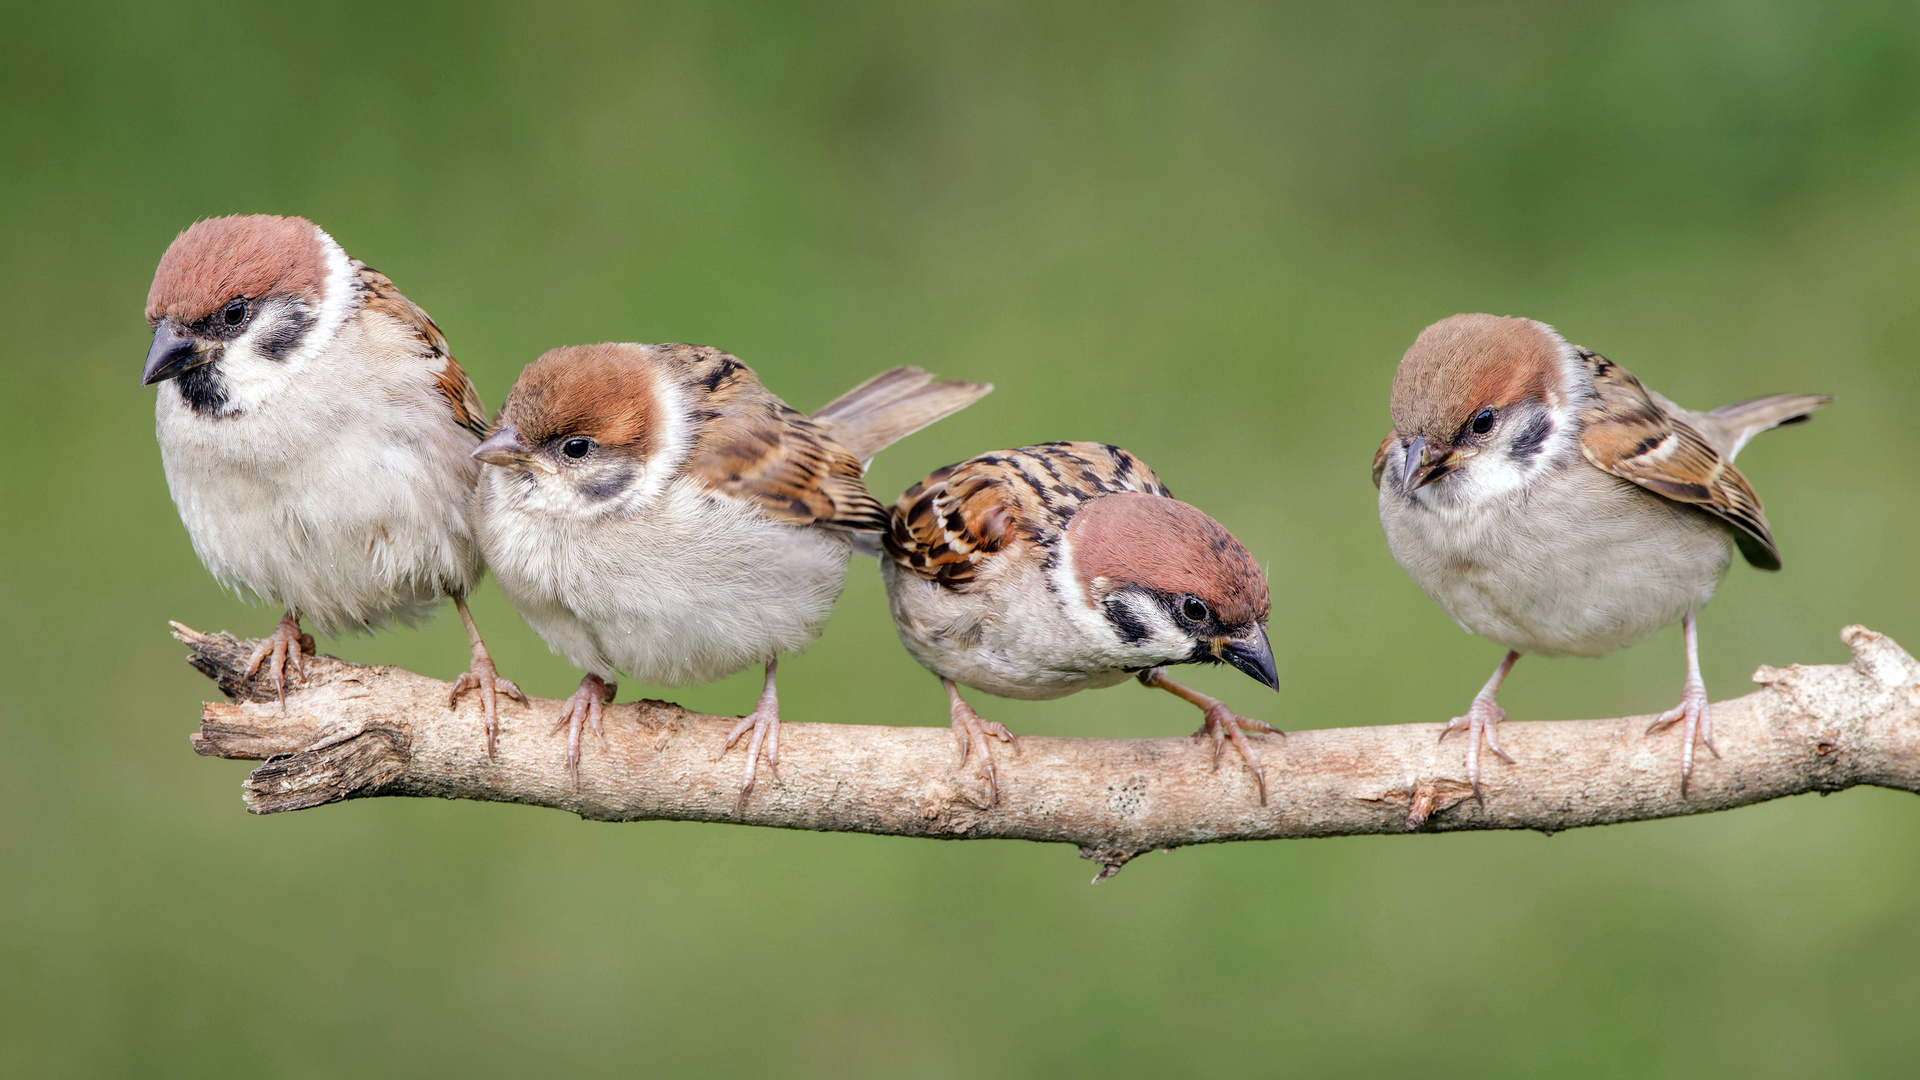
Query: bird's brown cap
[(1132, 538), (249, 255), (1465, 363), (606, 392)]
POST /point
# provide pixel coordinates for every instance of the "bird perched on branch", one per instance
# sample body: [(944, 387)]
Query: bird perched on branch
[(317, 437), (653, 509), (1551, 503), (1038, 572)]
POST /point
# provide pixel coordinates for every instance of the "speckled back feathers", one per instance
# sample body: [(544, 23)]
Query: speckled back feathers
[(946, 526)]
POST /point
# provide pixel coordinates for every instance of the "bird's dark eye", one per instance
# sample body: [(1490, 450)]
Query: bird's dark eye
[(577, 448), (234, 313), (1483, 421), (1194, 608)]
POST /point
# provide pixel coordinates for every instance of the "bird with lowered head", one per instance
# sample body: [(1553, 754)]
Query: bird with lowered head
[(1042, 571)]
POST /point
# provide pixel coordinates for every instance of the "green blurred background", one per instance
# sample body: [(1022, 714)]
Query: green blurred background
[(1203, 232)]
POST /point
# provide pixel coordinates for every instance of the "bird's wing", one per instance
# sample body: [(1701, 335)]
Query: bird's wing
[(751, 446), (1626, 432), (949, 526), (1380, 457), (462, 399)]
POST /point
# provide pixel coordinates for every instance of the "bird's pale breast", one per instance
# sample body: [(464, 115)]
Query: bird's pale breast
[(691, 588), (348, 497), (1577, 563)]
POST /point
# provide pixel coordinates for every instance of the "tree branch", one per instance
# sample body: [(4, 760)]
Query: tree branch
[(352, 731)]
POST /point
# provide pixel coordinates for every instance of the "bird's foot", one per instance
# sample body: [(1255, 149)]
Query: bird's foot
[(1692, 709), (974, 733), (583, 708), (484, 678), (1480, 723), (1223, 725), (287, 644), (761, 729)]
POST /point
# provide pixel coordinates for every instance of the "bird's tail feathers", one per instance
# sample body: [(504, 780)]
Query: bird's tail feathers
[(893, 405), (1742, 420)]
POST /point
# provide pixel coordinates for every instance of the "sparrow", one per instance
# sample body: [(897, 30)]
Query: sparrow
[(654, 510), (1039, 572), (317, 438), (1552, 504)]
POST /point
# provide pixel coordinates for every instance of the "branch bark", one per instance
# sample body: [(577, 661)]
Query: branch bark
[(352, 731)]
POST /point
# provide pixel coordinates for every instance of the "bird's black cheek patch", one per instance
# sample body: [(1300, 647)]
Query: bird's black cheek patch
[(286, 334), (202, 389), (608, 484), (1534, 436), (1131, 629)]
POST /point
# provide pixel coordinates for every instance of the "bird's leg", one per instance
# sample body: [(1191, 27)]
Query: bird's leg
[(1692, 708), (764, 723), (583, 707), (972, 731), (1480, 723), (482, 677), (284, 645), (1222, 724)]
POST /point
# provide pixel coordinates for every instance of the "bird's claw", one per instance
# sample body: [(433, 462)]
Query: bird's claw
[(764, 725), (583, 708), (1223, 725), (287, 644), (1480, 723), (972, 732), (486, 679), (1699, 725)]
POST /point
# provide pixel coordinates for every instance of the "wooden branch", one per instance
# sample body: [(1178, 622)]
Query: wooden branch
[(352, 731)]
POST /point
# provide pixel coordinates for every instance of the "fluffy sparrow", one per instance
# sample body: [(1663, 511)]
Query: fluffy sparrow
[(653, 509), (316, 435), (1038, 572), (1551, 503)]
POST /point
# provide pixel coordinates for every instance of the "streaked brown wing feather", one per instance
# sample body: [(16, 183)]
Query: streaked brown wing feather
[(462, 398), (948, 526), (755, 448), (1626, 433)]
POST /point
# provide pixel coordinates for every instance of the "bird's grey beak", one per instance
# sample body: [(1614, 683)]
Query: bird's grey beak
[(1253, 655), (1421, 469), (508, 450), (1416, 457), (171, 355)]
